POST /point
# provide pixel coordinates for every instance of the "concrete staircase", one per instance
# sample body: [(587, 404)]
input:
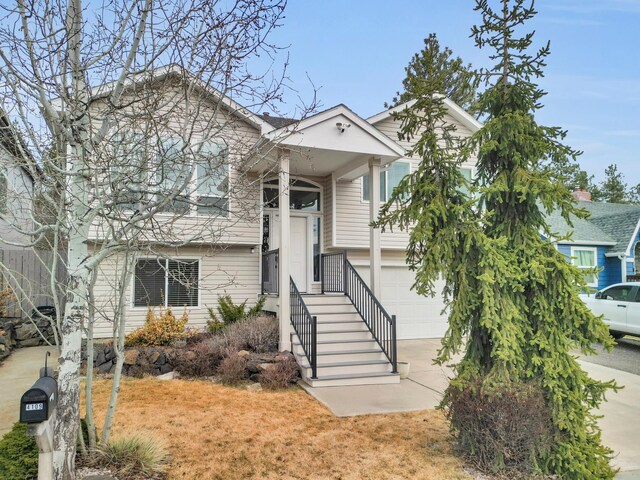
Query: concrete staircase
[(347, 352)]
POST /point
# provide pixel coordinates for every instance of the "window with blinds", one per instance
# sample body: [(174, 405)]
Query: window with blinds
[(171, 283)]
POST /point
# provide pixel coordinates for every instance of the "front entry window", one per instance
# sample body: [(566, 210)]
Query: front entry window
[(302, 195), (316, 249)]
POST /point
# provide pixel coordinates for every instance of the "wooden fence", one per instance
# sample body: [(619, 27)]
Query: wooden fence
[(28, 273)]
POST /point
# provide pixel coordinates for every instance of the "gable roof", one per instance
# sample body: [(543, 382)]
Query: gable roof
[(11, 141), (584, 231), (620, 221), (175, 70), (455, 110), (337, 110), (277, 122)]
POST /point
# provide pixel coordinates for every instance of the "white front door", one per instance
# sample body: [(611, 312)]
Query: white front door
[(299, 248)]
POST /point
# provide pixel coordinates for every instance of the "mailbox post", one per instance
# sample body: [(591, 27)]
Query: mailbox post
[(38, 411)]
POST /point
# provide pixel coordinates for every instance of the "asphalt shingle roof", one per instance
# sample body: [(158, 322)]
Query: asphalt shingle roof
[(583, 230), (277, 122), (609, 222)]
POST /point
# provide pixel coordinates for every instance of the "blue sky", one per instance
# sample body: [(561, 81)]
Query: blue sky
[(355, 52)]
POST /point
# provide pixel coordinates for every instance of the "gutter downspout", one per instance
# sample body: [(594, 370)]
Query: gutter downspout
[(623, 266)]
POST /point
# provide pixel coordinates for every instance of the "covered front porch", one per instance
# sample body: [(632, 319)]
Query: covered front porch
[(328, 313)]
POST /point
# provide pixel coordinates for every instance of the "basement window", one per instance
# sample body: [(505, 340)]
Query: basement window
[(168, 283)]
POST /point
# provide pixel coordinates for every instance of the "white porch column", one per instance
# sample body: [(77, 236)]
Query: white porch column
[(375, 255), (285, 240)]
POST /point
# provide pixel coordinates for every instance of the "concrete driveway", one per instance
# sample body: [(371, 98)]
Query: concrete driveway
[(423, 390)]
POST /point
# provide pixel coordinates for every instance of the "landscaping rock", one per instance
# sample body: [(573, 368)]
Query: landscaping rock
[(254, 377), (243, 353), (131, 356), (31, 342), (165, 368), (100, 359), (154, 357), (254, 387), (26, 331), (168, 376), (109, 353), (105, 367), (264, 366)]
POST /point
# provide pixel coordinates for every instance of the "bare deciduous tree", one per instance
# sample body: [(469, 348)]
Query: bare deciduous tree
[(132, 133)]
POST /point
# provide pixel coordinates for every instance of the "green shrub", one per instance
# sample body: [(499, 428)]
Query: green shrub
[(229, 313), (132, 457), (159, 329), (18, 455)]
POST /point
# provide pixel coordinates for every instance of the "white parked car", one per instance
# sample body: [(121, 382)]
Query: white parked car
[(619, 306)]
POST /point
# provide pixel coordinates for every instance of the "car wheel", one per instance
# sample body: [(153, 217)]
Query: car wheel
[(616, 335)]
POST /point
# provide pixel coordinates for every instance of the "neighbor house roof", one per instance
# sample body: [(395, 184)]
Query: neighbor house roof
[(620, 221), (584, 231)]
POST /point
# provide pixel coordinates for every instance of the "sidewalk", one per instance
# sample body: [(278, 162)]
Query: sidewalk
[(17, 374), (621, 417)]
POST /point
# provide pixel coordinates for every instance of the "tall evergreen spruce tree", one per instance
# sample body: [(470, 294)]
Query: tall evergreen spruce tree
[(512, 298)]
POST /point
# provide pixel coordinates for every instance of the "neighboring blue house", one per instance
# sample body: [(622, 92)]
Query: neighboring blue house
[(608, 239)]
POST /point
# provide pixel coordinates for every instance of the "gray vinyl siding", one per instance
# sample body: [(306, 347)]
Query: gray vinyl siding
[(233, 270)]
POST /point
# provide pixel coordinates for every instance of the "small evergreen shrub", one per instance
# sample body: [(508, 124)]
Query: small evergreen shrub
[(133, 457), (233, 369), (502, 430), (280, 375), (257, 333), (230, 313), (159, 329), (18, 455)]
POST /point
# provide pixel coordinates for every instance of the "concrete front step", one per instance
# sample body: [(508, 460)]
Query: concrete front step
[(326, 299), (357, 354), (348, 380), (334, 345), (347, 368), (344, 334), (344, 316), (332, 308), (335, 326)]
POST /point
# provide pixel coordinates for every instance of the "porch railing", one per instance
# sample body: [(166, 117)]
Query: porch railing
[(270, 272), (332, 272), (338, 275), (306, 327)]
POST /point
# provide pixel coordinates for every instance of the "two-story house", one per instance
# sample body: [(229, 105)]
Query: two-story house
[(299, 232)]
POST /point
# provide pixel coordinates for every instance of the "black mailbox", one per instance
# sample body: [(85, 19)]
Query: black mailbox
[(38, 402)]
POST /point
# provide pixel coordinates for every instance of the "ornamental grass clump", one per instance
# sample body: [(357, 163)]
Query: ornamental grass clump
[(133, 457), (159, 329)]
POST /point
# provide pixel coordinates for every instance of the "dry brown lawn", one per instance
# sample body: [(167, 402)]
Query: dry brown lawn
[(217, 432)]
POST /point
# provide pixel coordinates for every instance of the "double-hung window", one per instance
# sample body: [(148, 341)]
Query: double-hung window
[(172, 170), (212, 177), (129, 171), (163, 282), (586, 258), (390, 178)]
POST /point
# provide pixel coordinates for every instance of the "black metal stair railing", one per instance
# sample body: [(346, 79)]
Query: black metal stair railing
[(270, 272), (306, 327), (339, 275)]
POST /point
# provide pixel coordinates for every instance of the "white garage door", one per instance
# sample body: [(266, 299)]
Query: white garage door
[(417, 316)]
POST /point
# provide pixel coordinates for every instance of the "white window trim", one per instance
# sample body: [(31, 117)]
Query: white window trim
[(186, 258), (595, 258), (316, 188), (386, 182), (193, 194)]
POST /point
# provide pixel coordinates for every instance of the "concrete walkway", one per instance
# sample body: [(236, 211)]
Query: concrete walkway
[(423, 390), (17, 374)]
